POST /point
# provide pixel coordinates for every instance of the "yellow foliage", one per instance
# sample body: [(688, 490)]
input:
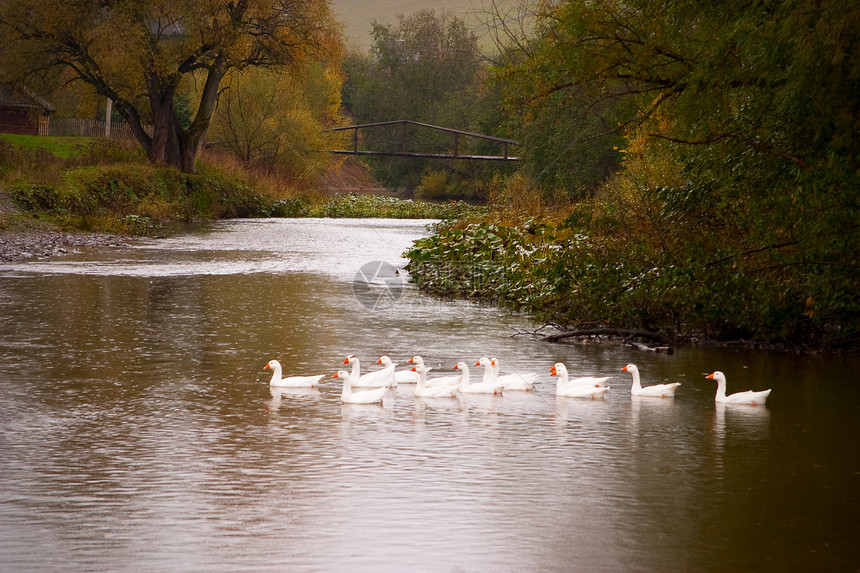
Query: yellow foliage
[(278, 120)]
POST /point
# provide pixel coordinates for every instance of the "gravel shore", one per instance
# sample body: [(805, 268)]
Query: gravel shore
[(32, 241), (16, 246)]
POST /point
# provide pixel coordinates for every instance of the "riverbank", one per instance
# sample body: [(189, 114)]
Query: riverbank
[(23, 237), (596, 275), (16, 246), (104, 187)]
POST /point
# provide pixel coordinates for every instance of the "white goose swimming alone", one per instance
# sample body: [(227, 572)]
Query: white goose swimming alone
[(565, 389), (516, 381), (424, 391), (373, 396), (400, 376), (564, 378), (657, 390), (377, 379), (290, 381), (466, 387), (749, 397)]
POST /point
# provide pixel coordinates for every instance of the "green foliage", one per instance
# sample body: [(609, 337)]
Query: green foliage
[(486, 261), (734, 212), (290, 208), (278, 121), (62, 147), (593, 269), (449, 184), (34, 197), (139, 225), (357, 16), (139, 198), (162, 63), (426, 69), (368, 206)]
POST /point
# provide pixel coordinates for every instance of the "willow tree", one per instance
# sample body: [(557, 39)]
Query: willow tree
[(149, 56)]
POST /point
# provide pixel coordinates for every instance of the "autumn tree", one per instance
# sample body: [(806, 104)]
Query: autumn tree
[(736, 203), (278, 121), (426, 68), (146, 56)]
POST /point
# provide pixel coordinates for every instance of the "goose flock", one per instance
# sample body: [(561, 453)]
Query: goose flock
[(370, 388)]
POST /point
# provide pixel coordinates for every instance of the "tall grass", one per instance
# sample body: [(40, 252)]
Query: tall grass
[(102, 185)]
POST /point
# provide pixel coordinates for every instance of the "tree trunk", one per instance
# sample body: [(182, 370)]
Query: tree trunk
[(188, 148), (164, 148), (172, 144)]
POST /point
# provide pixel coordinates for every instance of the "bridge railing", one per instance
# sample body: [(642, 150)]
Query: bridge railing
[(404, 142)]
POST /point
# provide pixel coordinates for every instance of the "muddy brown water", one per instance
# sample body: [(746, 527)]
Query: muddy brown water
[(138, 431)]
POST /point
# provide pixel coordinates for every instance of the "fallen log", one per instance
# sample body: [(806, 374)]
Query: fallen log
[(660, 349), (620, 332)]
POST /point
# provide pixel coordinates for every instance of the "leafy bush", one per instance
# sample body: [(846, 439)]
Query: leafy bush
[(140, 225), (368, 206), (290, 208), (34, 197), (601, 268)]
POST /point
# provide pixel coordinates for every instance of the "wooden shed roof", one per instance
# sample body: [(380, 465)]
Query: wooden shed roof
[(20, 97)]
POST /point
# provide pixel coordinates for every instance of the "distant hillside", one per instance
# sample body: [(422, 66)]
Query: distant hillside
[(358, 15)]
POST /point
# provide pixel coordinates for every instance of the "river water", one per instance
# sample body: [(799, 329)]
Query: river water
[(139, 432)]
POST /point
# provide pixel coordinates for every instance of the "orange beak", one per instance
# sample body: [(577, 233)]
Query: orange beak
[(552, 370), (478, 363), (411, 360), (456, 367), (379, 361), (266, 367), (624, 369), (414, 369), (710, 376), (346, 360), (335, 375)]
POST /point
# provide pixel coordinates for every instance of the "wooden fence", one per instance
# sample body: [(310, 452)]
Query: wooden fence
[(65, 126)]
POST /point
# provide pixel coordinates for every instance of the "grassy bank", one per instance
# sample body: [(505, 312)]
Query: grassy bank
[(610, 263), (97, 185)]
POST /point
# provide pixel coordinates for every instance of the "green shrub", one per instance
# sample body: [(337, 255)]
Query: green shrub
[(34, 197), (290, 208), (370, 206)]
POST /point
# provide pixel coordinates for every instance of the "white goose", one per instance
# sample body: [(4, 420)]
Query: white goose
[(439, 380), (400, 376), (564, 388), (490, 378), (424, 391), (479, 388), (749, 397), (373, 396), (657, 390), (565, 380), (377, 379), (524, 382), (290, 381)]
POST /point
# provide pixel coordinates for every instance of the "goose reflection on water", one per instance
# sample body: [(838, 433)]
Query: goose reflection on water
[(745, 421), (278, 393)]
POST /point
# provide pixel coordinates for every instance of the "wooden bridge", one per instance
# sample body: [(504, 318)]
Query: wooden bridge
[(404, 142)]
